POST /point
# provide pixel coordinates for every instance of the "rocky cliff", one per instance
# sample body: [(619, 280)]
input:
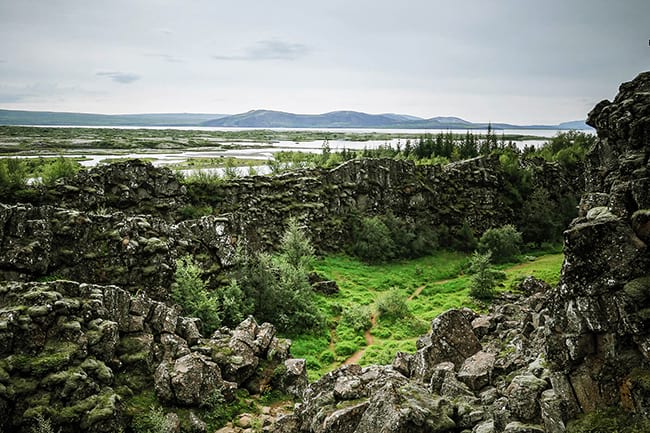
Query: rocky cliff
[(599, 336), (122, 223), (83, 353)]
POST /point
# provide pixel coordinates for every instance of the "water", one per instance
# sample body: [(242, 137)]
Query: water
[(264, 151)]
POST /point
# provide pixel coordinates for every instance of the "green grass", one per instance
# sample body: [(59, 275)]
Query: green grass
[(444, 286)]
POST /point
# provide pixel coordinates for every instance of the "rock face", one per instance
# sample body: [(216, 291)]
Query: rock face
[(130, 251), (122, 223), (599, 336), (74, 352)]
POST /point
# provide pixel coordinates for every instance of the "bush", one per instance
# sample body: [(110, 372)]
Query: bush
[(13, 174), (190, 292), (58, 169), (345, 348), (233, 306), (387, 237), (372, 241), (357, 317), (326, 357), (153, 421), (392, 306), (504, 243)]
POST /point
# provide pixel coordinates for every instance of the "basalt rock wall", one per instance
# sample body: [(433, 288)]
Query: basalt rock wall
[(122, 223), (599, 335)]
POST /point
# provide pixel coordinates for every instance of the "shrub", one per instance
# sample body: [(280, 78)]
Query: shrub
[(326, 357), (43, 425), (345, 348), (13, 174), (392, 306), (357, 317), (372, 241), (153, 421), (278, 286), (233, 306), (58, 169), (503, 243)]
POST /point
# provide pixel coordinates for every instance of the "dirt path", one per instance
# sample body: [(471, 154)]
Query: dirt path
[(356, 356), (370, 340), (416, 293)]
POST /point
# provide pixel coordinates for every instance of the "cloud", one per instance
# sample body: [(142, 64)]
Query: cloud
[(166, 57), (270, 50), (120, 77)]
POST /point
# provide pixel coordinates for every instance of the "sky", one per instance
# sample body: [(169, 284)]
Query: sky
[(515, 61)]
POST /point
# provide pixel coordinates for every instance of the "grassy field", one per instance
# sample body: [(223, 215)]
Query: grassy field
[(427, 286)]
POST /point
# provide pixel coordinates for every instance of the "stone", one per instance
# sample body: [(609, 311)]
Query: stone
[(189, 380), (476, 371), (518, 427), (197, 425), (523, 394), (451, 339), (294, 380)]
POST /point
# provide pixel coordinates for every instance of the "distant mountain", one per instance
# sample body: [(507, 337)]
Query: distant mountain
[(574, 124), (354, 119), (15, 117), (402, 117), (335, 119), (262, 119)]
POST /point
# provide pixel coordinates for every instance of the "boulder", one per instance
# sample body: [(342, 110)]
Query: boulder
[(451, 339), (523, 396), (476, 371), (187, 381)]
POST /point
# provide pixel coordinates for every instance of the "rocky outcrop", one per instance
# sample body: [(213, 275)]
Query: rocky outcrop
[(74, 353), (132, 187), (134, 252), (599, 337)]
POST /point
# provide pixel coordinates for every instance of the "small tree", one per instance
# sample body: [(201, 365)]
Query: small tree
[(232, 305), (295, 247), (504, 243), (190, 292), (484, 278)]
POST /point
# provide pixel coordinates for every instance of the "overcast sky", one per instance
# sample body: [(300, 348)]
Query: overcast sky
[(501, 60)]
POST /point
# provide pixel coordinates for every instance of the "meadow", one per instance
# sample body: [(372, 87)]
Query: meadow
[(382, 309)]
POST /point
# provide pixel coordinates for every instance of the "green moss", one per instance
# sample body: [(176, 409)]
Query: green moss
[(105, 407), (73, 413), (21, 386), (54, 357), (4, 375), (638, 289), (611, 420), (99, 370), (641, 377), (132, 383)]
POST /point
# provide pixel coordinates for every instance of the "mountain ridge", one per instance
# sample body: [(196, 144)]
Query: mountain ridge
[(262, 119)]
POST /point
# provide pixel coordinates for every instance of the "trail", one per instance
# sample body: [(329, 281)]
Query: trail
[(370, 340)]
